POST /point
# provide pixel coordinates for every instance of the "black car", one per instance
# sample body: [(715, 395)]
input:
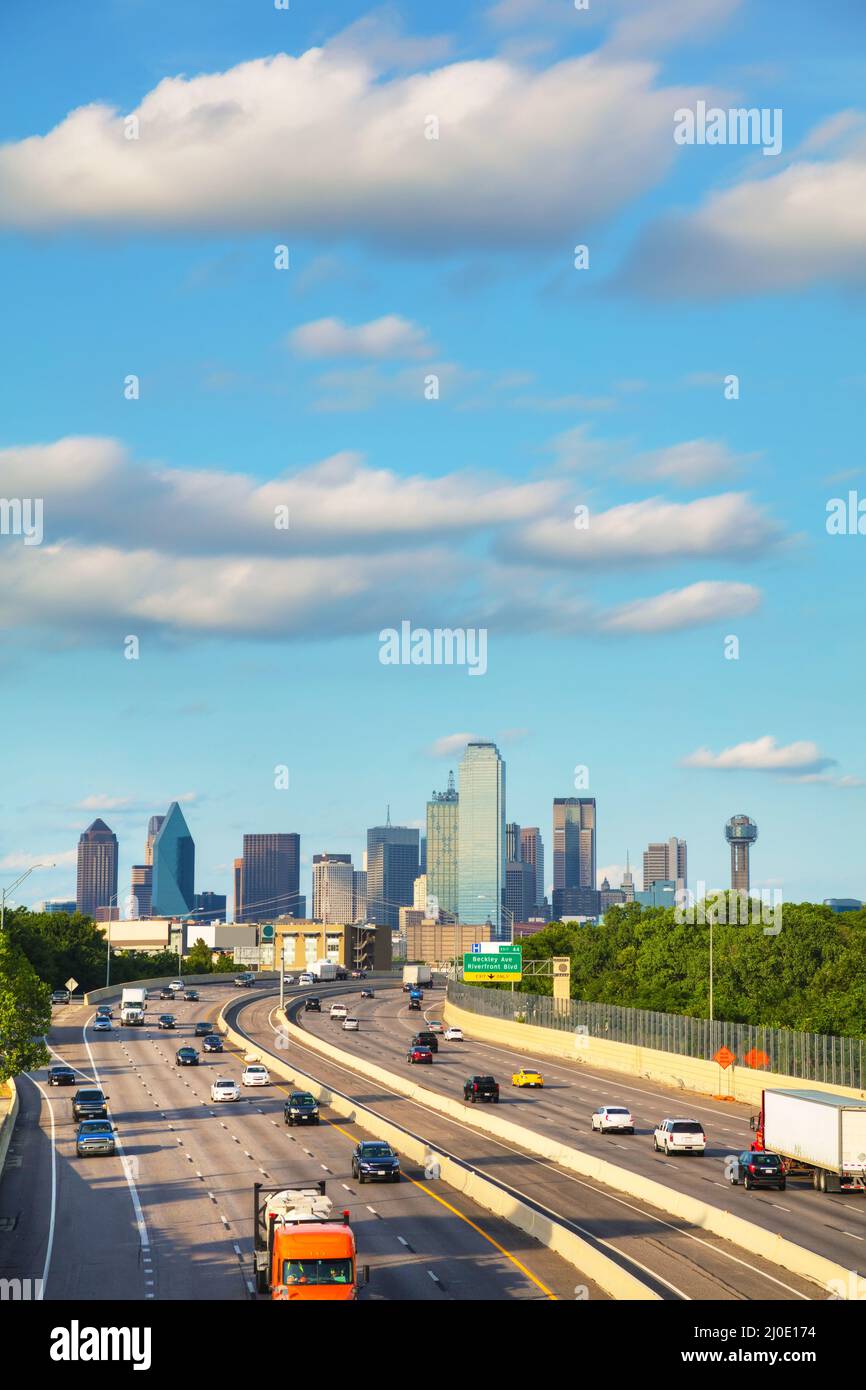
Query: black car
[(191, 996), (426, 1040), (89, 1103), (166, 993), (60, 996), (313, 1006), (212, 1043), (61, 1076), (301, 1108), (202, 1029), (167, 1021), (374, 1159), (95, 1137), (104, 1011), (756, 1169), (481, 1088), (186, 1057), (415, 1004)]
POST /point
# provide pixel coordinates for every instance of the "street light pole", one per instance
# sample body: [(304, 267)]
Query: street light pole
[(4, 893)]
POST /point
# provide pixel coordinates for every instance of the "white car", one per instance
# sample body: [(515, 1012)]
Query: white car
[(453, 1035), (290, 980), (350, 1025), (177, 986), (339, 1011), (255, 1075), (225, 1089), (306, 980), (612, 1117), (435, 1025), (679, 1136)]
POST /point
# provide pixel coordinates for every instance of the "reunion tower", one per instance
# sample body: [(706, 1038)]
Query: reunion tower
[(740, 832)]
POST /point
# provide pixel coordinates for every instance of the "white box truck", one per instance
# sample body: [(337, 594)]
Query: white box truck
[(817, 1133), (324, 970), (417, 975), (132, 1005)]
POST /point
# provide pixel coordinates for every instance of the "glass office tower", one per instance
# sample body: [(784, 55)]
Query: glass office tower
[(481, 838), (442, 833), (173, 880)]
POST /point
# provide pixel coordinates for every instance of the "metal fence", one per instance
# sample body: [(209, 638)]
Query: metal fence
[(808, 1056)]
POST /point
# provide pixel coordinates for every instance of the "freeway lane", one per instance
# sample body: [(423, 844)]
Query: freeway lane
[(192, 1165), (679, 1261), (833, 1226)]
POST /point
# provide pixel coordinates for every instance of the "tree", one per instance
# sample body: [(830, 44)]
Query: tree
[(198, 960), (25, 1013)]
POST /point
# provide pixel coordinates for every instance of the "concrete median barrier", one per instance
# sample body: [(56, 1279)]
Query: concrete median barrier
[(8, 1116), (744, 1234), (589, 1261)]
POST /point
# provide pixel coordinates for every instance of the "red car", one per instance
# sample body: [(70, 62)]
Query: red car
[(419, 1054)]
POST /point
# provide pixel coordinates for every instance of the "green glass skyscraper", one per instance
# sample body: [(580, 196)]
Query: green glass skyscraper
[(173, 891), (481, 839)]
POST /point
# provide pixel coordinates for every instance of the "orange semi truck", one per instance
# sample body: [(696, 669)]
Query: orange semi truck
[(300, 1251)]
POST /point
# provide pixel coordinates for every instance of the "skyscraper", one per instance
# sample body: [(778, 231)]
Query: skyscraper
[(271, 877), (442, 833), (333, 888), (532, 852), (481, 836), (741, 832), (153, 828), (574, 825), (97, 868), (513, 843), (359, 895), (238, 867), (665, 859), (392, 867), (173, 891), (141, 888), (628, 881)]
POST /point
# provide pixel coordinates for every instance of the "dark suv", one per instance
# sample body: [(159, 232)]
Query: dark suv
[(301, 1108), (481, 1088), (313, 1006), (89, 1103), (755, 1169), (426, 1040)]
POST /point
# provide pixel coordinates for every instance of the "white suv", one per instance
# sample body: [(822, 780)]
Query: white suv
[(177, 986), (225, 1089), (306, 979), (612, 1117), (255, 1075), (679, 1136), (339, 1011)]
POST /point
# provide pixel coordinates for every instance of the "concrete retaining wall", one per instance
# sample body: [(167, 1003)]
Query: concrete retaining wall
[(589, 1261), (100, 996), (665, 1068), (8, 1116)]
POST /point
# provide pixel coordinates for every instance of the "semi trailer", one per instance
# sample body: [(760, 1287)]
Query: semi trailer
[(818, 1134)]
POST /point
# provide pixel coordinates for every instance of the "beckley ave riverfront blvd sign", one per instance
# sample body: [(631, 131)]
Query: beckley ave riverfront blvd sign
[(504, 964)]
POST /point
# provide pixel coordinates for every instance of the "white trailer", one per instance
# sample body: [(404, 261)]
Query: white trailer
[(417, 975), (324, 970), (133, 996), (817, 1132)]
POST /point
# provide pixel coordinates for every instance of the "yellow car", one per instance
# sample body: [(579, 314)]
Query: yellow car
[(527, 1078)]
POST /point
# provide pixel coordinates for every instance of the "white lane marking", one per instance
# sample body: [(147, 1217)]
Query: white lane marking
[(212, 1197), (346, 1186), (236, 1247), (50, 1246), (434, 1277), (852, 1235), (373, 1210), (125, 1164), (325, 1166), (223, 1220), (403, 1240)]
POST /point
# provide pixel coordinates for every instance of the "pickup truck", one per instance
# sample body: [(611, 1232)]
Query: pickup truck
[(481, 1088)]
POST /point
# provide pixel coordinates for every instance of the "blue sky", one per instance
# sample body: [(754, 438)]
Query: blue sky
[(558, 387)]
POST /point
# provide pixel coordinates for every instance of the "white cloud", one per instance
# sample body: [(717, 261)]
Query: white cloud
[(647, 532), (20, 859), (451, 745), (649, 25), (693, 606), (102, 802), (322, 145), (802, 226), (389, 336), (763, 755), (692, 463)]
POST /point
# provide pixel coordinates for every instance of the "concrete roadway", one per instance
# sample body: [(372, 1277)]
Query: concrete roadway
[(693, 1263), (172, 1217)]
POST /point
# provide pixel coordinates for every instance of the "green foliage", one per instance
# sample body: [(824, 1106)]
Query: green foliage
[(810, 977), (63, 945), (25, 1013), (198, 961)]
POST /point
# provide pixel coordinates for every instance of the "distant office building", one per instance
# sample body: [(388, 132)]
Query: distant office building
[(574, 837), (661, 893), (210, 906), (359, 895), (741, 832), (238, 870), (442, 838), (437, 943), (835, 904), (513, 847), (532, 852), (422, 855), (481, 836), (628, 881), (271, 877), (665, 859), (419, 892), (154, 825), (609, 897), (173, 883), (519, 891), (392, 867), (97, 868), (56, 905), (333, 888), (141, 890), (576, 902)]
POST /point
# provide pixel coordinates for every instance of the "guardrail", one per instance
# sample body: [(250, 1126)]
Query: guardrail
[(8, 1116)]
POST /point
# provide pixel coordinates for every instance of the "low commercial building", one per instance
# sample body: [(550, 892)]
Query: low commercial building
[(357, 947), (433, 942)]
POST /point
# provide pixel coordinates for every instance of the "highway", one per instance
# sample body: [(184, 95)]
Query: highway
[(694, 1264), (171, 1217)]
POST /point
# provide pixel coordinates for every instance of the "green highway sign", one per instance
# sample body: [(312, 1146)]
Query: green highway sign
[(504, 964)]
